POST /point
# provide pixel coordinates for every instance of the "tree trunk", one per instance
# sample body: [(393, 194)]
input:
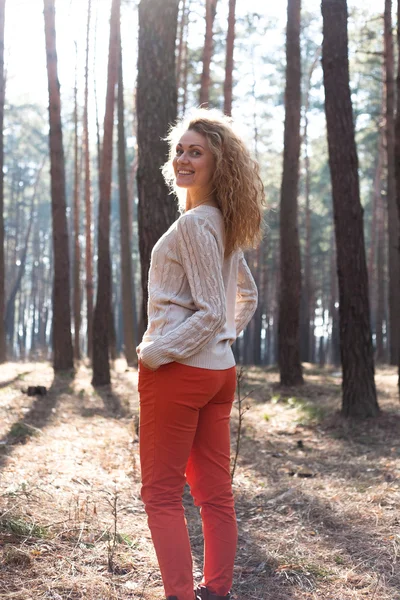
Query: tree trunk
[(185, 67), (359, 393), (373, 267), (306, 306), (88, 201), (156, 109), (102, 311), (393, 217), (62, 341), (77, 249), (397, 149), (380, 280), (3, 353), (290, 279), (181, 45), (126, 256), (230, 44), (211, 9), (335, 338)]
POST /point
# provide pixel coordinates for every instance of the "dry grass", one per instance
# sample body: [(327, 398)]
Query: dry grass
[(317, 497)]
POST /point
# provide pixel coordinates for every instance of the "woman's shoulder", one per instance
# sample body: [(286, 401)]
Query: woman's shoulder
[(202, 217)]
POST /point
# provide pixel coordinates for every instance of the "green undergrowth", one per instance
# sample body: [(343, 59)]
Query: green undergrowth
[(309, 412), (22, 528)]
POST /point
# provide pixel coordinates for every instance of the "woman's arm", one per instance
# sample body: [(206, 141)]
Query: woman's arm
[(201, 258), (246, 297)]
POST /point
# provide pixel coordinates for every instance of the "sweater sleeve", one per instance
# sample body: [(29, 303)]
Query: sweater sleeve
[(201, 258), (246, 296)]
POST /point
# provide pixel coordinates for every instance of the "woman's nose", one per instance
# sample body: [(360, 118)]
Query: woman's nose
[(183, 158)]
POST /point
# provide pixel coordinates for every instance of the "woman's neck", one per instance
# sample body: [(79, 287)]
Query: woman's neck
[(193, 201)]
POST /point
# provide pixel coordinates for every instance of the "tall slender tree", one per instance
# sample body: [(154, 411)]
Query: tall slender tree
[(77, 249), (393, 217), (359, 393), (102, 311), (88, 200), (306, 308), (125, 238), (61, 326), (2, 263), (230, 44), (156, 108), (397, 140), (211, 9), (181, 43), (290, 275)]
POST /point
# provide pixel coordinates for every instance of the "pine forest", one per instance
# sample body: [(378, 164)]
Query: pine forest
[(88, 92)]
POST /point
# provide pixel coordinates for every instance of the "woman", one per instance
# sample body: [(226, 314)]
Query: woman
[(201, 296)]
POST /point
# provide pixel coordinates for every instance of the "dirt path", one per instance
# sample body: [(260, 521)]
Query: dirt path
[(317, 498)]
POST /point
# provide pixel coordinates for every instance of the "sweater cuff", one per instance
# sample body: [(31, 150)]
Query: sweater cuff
[(153, 356)]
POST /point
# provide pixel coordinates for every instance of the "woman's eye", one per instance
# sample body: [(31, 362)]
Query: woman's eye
[(196, 153)]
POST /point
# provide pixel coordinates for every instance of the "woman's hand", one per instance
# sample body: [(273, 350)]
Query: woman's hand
[(146, 366)]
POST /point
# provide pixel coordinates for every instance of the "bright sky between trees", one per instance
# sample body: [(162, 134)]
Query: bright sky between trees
[(25, 53)]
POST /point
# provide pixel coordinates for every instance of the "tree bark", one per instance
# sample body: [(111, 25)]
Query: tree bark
[(290, 277), (156, 104), (88, 200), (359, 393), (102, 311), (211, 9), (3, 353), (397, 147), (230, 44), (126, 256), (393, 217), (62, 340)]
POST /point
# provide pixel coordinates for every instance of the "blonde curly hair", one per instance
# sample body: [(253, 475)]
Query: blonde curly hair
[(237, 183)]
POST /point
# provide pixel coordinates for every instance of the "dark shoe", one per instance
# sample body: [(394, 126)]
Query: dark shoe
[(202, 593)]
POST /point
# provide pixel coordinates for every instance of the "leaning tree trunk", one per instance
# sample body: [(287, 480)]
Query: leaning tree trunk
[(230, 44), (88, 201), (102, 311), (211, 9), (156, 109), (290, 275), (126, 256), (359, 393), (61, 327), (393, 217)]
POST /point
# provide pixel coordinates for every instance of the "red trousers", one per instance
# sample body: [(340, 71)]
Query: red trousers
[(184, 436)]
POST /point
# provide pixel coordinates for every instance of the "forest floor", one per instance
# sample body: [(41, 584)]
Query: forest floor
[(317, 496)]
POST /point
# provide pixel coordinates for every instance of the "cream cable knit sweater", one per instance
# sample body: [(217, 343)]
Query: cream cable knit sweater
[(199, 301)]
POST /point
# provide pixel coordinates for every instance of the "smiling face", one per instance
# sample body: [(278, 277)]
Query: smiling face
[(194, 164)]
